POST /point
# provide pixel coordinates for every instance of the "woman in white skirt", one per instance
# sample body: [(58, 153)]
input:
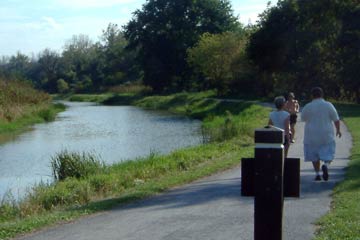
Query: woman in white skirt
[(280, 118)]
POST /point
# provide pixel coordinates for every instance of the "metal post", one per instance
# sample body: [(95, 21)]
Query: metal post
[(269, 169)]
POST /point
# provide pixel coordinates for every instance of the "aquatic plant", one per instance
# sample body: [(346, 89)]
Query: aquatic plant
[(67, 164)]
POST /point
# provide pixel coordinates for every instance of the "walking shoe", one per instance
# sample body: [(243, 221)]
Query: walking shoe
[(317, 178), (324, 168)]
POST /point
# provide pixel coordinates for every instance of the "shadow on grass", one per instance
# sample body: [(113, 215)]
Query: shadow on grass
[(212, 107), (353, 175), (122, 99), (348, 109)]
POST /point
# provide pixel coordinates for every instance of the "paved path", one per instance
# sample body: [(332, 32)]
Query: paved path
[(211, 208)]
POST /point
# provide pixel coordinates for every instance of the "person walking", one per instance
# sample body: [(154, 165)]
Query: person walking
[(293, 107), (281, 119), (319, 139)]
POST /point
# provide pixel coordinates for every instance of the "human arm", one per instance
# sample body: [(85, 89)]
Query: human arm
[(297, 106), (335, 118), (337, 126), (270, 123)]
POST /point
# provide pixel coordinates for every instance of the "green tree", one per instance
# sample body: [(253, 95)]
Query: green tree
[(274, 42), (47, 70), (120, 65), (163, 30), (349, 50), (78, 59), (18, 66), (295, 46), (215, 55), (62, 86)]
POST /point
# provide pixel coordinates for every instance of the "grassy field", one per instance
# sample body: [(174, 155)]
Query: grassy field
[(343, 221), (228, 129)]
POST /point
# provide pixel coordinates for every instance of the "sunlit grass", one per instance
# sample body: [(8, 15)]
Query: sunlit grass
[(21, 105), (31, 115), (127, 181), (17, 97), (343, 221)]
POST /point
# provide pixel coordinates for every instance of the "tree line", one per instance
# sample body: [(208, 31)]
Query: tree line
[(193, 45), (83, 66)]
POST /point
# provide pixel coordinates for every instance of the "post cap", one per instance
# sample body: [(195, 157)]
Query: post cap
[(269, 134)]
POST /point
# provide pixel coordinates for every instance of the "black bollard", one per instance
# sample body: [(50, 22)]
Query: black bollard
[(268, 185)]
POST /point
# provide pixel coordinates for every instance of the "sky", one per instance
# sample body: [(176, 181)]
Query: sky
[(31, 26)]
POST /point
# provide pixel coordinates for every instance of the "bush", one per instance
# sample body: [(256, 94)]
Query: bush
[(71, 164)]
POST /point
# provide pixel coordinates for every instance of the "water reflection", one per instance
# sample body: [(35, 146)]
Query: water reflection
[(115, 133)]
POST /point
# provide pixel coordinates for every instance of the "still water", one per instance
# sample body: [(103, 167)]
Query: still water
[(114, 133)]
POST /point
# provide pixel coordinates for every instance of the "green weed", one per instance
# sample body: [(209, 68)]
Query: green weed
[(80, 189), (67, 164)]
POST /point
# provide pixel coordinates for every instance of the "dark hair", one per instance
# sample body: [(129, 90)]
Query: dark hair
[(279, 102), (317, 92)]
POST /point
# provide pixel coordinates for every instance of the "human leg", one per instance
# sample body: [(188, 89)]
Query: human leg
[(325, 171), (327, 153), (316, 165), (292, 129), (293, 120), (311, 155), (286, 148)]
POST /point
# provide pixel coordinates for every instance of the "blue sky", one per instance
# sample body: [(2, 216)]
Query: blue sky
[(33, 25)]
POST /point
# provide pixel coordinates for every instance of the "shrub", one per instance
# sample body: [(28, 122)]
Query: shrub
[(72, 164)]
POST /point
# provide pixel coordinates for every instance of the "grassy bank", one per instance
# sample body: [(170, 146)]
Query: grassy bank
[(21, 106), (343, 221), (228, 127), (98, 98)]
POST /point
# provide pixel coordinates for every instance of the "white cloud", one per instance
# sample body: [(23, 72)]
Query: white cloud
[(50, 22), (45, 23)]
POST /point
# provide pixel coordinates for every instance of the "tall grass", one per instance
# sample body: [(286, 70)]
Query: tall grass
[(222, 120), (67, 164), (21, 105), (134, 88), (77, 192), (87, 97), (16, 99)]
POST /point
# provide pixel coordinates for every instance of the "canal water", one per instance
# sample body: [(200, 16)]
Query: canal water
[(114, 133)]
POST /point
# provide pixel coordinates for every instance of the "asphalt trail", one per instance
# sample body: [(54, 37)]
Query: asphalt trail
[(210, 208)]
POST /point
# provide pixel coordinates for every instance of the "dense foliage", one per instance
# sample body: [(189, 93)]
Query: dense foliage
[(221, 60), (299, 44), (172, 46), (163, 31), (83, 66)]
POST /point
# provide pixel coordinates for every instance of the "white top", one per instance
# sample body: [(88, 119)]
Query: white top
[(319, 116), (278, 118)]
